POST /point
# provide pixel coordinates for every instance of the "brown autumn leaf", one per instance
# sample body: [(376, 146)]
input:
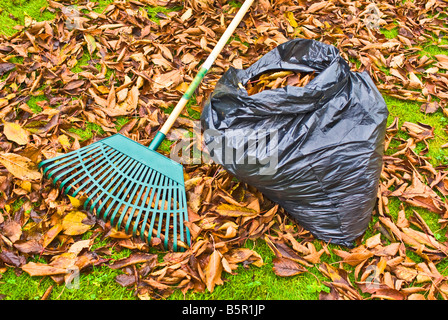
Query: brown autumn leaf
[(442, 61), (420, 195), (11, 258), (355, 256), (167, 80), (213, 271), (134, 259), (122, 44), (125, 280), (5, 67), (340, 282), (131, 101), (284, 267), (430, 107), (42, 269), (12, 230), (382, 291), (29, 247)]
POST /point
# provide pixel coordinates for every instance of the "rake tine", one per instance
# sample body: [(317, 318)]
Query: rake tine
[(129, 182), (111, 179), (183, 216), (131, 197), (139, 202), (86, 174), (55, 161), (150, 189), (93, 177), (168, 209), (154, 211), (61, 166), (111, 193), (161, 214), (103, 178), (176, 208), (79, 165)]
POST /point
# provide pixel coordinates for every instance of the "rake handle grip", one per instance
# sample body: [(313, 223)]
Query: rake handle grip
[(155, 143)]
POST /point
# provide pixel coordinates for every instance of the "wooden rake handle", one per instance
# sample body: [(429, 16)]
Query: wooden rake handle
[(160, 136)]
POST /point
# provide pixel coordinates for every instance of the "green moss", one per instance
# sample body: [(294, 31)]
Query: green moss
[(98, 283), (165, 146), (120, 122), (193, 114), (86, 132), (390, 34), (13, 13), (261, 283), (32, 103), (82, 62), (235, 4), (410, 111), (154, 11), (102, 5)]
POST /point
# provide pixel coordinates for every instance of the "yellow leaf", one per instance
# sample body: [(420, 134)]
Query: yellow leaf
[(292, 21), (26, 185), (230, 210), (91, 44), (75, 201), (14, 132), (72, 223), (116, 234), (64, 141), (3, 102), (182, 87), (20, 167)]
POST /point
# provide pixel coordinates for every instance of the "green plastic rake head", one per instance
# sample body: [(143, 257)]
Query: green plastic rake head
[(130, 185), (127, 184)]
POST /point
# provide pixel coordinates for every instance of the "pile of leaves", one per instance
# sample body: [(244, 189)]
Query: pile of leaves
[(277, 79), (119, 70)]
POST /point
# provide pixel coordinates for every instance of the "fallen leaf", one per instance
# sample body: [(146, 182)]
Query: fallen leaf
[(12, 230), (286, 268), (19, 166), (230, 210), (213, 271), (41, 269), (91, 43), (134, 259), (5, 67), (72, 223), (14, 132), (51, 234)]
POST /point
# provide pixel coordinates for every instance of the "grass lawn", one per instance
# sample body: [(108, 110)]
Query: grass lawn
[(250, 283)]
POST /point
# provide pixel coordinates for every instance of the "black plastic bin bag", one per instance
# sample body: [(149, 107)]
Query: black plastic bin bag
[(315, 150)]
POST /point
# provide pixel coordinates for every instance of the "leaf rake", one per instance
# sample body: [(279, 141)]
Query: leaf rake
[(131, 185)]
